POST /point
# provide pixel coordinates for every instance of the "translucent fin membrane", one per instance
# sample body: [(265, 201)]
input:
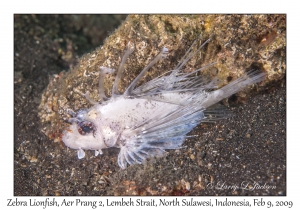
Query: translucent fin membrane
[(160, 56), (215, 113), (168, 129)]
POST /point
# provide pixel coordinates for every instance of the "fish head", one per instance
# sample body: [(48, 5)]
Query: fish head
[(84, 132)]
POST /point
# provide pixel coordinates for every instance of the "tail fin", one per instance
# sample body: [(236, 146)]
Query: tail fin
[(237, 85)]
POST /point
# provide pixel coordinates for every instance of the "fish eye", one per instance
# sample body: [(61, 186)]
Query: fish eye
[(86, 127)]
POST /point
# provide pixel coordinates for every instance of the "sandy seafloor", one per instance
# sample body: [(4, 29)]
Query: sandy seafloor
[(246, 151)]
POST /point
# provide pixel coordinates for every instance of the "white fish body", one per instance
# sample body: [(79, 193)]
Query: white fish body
[(155, 116)]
